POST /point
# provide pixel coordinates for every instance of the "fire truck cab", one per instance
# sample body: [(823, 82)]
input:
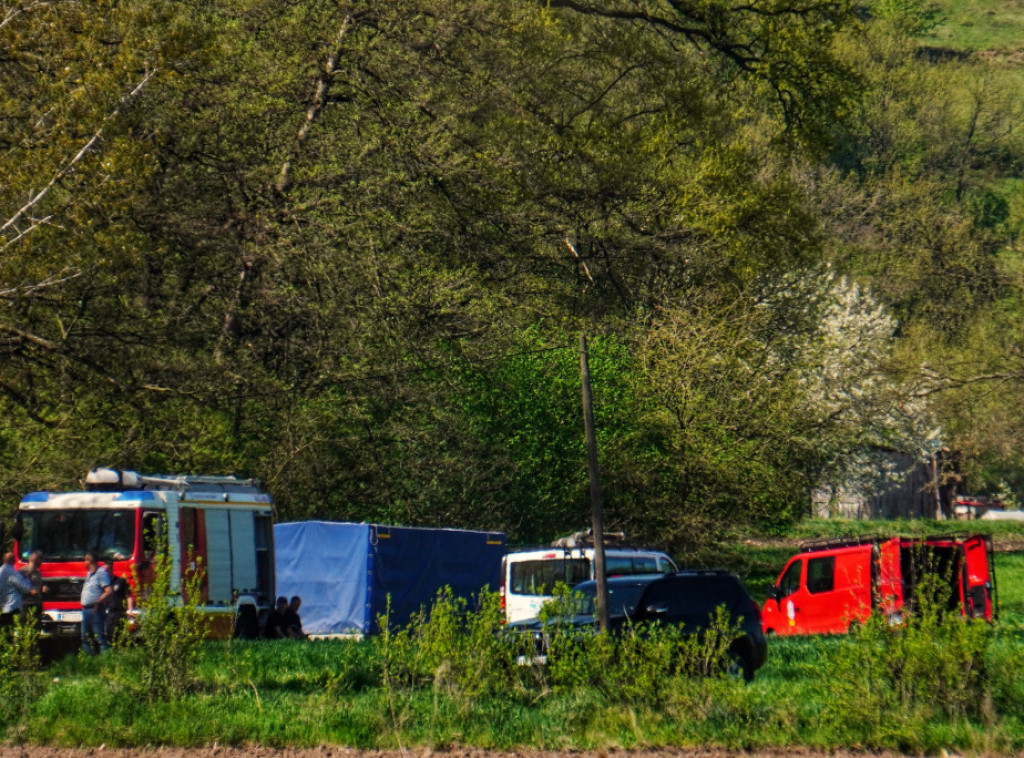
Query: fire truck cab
[(220, 526)]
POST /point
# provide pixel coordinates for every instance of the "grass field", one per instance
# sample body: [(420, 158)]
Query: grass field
[(971, 25), (878, 690)]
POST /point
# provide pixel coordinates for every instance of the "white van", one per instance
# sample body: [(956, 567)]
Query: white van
[(529, 576)]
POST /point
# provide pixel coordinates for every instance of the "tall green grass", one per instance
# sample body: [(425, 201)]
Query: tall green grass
[(281, 693), (445, 682), (978, 25)]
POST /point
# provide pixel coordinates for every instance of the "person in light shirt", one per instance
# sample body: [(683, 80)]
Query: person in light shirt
[(13, 586), (95, 593)]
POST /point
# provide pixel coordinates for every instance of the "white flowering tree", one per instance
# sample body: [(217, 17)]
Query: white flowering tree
[(772, 396), (863, 406)]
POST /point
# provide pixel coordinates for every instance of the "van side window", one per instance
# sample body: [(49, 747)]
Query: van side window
[(790, 581), (821, 574)]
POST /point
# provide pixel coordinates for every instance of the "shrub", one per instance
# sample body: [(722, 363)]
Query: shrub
[(891, 679), (449, 646), (162, 661), (19, 669), (641, 664)]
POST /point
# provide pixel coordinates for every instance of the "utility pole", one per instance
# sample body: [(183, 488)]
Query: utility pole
[(595, 490)]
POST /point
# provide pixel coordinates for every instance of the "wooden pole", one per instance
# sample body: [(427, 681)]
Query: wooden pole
[(600, 572)]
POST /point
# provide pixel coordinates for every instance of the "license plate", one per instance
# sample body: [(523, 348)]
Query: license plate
[(69, 617)]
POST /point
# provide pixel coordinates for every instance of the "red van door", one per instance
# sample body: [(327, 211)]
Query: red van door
[(805, 597), (838, 590), (779, 612), (978, 578)]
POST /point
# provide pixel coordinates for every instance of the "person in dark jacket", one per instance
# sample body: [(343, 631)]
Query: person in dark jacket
[(274, 630), (32, 604), (119, 604), (247, 618), (292, 620)]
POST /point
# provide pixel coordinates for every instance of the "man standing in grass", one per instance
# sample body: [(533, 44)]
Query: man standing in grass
[(95, 592), (32, 604), (12, 586)]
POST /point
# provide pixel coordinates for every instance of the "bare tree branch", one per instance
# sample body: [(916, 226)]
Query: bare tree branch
[(29, 289), (316, 107), (13, 13)]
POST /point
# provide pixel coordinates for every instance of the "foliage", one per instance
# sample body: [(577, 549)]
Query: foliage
[(453, 648), (20, 681), (319, 243), (930, 666), (164, 652), (331, 692), (644, 664)]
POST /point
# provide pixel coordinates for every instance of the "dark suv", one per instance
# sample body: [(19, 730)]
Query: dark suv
[(687, 598)]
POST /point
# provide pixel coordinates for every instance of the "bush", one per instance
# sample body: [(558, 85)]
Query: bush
[(162, 660), (449, 646), (889, 680), (20, 681), (642, 664)]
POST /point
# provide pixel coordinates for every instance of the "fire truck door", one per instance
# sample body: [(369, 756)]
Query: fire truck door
[(192, 532)]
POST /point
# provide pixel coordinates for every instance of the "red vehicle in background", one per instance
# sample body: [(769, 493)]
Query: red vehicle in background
[(829, 587), (218, 526)]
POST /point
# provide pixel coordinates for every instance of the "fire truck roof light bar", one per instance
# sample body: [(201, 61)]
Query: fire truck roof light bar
[(114, 479)]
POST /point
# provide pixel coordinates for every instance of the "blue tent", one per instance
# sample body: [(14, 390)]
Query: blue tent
[(345, 572)]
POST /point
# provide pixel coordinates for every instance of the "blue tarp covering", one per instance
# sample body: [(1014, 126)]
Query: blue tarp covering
[(344, 572)]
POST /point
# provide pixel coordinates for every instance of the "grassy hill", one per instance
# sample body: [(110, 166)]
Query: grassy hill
[(975, 25)]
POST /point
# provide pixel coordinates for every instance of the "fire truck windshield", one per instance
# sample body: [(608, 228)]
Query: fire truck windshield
[(69, 535)]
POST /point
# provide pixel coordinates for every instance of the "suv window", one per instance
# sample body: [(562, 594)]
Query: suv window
[(693, 599), (790, 581), (821, 574), (622, 597), (540, 577)]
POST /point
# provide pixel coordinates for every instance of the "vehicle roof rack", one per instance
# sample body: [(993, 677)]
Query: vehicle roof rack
[(586, 539), (114, 480), (835, 542)]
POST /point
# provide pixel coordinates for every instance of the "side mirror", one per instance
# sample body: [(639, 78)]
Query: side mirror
[(774, 592), (19, 529)]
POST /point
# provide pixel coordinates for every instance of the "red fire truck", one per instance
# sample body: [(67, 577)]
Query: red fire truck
[(830, 586), (219, 525)]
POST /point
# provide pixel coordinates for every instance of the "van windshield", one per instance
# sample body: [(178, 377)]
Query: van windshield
[(540, 577), (69, 535)]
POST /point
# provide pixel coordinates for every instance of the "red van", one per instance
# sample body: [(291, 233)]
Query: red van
[(830, 586)]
